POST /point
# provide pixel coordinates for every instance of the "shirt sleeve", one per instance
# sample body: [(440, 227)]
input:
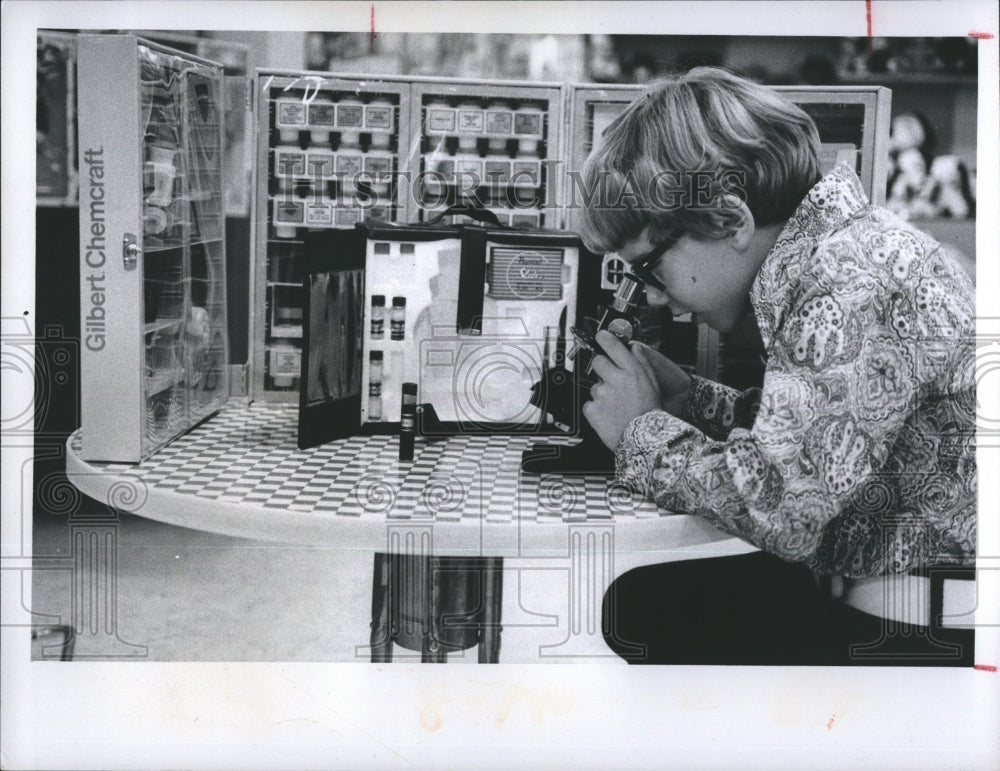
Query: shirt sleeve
[(840, 381), (716, 409)]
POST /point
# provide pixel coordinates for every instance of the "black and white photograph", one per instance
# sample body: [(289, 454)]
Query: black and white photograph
[(636, 361)]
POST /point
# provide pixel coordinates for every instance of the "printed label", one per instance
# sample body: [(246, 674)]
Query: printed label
[(319, 214), (349, 164), (522, 220), (320, 164), (498, 172), (499, 122), (321, 114), (285, 362), (472, 166), (291, 114), (350, 115), (347, 216), (378, 164), (378, 117), (527, 173), (441, 119), (529, 124), (288, 163), (289, 211), (471, 121)]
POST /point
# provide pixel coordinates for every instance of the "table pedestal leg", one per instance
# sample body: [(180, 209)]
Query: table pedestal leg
[(491, 580), (433, 604), (381, 636)]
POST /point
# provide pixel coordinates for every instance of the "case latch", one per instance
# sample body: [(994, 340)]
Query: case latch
[(131, 251)]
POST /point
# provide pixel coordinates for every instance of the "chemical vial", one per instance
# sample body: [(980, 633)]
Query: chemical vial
[(375, 385), (407, 421), (528, 123), (350, 120), (289, 119), (379, 121), (471, 123), (378, 317), (397, 319), (499, 126), (321, 119), (375, 373)]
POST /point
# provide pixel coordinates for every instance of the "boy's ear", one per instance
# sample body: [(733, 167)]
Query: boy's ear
[(742, 225)]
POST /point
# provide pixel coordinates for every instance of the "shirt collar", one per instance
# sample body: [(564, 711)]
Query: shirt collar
[(831, 203)]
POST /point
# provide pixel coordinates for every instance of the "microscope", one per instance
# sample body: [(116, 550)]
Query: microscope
[(561, 393)]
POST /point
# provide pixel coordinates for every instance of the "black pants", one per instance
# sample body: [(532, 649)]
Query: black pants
[(755, 609)]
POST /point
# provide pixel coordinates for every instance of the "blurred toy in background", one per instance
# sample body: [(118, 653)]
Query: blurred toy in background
[(947, 191), (921, 186), (909, 177), (911, 140), (852, 61)]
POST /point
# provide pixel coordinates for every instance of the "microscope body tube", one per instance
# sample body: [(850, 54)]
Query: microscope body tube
[(620, 318)]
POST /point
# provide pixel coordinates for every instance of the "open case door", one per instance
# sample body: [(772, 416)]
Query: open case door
[(333, 307)]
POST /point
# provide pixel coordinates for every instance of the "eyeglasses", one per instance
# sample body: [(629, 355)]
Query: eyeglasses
[(645, 265)]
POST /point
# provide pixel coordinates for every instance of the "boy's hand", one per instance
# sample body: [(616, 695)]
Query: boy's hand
[(673, 382), (628, 388)]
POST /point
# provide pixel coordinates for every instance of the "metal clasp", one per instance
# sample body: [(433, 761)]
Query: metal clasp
[(131, 252)]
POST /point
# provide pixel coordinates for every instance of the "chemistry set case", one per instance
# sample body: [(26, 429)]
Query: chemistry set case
[(476, 317), (331, 151), (152, 245)]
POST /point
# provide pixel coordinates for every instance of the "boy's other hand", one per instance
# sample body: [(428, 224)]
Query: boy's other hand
[(674, 383), (628, 388)]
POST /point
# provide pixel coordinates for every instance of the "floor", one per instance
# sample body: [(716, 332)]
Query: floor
[(184, 595)]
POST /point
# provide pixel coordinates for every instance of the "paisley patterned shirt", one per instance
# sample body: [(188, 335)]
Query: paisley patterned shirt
[(857, 456)]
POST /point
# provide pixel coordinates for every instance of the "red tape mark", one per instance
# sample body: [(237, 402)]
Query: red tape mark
[(868, 16), (981, 35), (985, 667), (372, 14)]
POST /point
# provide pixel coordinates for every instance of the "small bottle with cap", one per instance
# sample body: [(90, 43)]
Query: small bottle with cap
[(375, 370), (397, 319), (350, 121), (321, 119), (377, 322), (471, 123), (407, 421), (379, 122)]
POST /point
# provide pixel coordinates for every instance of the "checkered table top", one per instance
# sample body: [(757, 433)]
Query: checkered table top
[(248, 456)]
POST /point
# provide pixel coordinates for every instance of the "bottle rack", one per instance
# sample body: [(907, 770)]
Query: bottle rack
[(328, 156), (482, 150)]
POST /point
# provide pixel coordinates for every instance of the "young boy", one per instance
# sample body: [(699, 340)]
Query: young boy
[(852, 468)]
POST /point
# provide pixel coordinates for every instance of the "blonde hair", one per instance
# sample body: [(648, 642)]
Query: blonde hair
[(681, 155)]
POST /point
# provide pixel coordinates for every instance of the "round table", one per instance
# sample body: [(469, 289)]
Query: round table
[(240, 473)]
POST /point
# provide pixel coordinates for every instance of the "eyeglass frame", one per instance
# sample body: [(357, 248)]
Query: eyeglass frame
[(643, 267)]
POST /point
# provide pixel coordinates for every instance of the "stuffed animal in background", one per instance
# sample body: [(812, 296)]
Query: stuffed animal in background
[(909, 180), (911, 139), (946, 191)]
